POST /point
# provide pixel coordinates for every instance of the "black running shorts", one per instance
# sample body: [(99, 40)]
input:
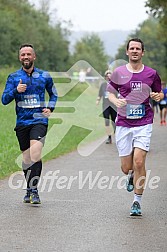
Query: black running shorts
[(109, 114), (30, 132)]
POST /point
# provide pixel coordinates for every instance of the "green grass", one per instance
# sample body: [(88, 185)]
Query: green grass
[(67, 125)]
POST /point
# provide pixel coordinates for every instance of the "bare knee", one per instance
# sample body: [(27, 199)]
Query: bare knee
[(126, 169), (127, 164), (138, 165), (26, 157), (35, 151), (35, 157)]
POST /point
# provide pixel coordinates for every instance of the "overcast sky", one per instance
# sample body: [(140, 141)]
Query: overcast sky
[(100, 15)]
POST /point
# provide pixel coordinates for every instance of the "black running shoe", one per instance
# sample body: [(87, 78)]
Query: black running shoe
[(34, 197), (27, 196), (109, 141)]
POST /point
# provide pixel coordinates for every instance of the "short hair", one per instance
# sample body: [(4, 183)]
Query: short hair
[(26, 45), (135, 40), (107, 72)]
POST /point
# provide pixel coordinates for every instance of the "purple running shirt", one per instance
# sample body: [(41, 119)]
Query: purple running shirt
[(135, 88)]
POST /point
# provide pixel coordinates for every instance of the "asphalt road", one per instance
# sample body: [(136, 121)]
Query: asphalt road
[(80, 215)]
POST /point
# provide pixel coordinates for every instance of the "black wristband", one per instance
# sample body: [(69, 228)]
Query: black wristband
[(51, 109)]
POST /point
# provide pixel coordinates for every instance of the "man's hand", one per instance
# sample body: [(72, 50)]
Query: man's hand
[(119, 103), (155, 96), (46, 112), (21, 88)]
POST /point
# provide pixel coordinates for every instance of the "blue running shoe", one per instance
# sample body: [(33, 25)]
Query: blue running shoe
[(129, 182), (27, 196), (135, 209), (34, 197)]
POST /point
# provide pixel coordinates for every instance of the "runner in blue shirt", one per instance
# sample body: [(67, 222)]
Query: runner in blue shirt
[(163, 105), (27, 87)]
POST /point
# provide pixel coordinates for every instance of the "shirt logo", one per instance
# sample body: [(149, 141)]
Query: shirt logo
[(124, 77), (136, 86)]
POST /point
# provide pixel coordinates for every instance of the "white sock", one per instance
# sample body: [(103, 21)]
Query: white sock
[(130, 172), (137, 197)]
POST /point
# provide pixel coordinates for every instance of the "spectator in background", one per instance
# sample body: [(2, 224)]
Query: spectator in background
[(154, 105)]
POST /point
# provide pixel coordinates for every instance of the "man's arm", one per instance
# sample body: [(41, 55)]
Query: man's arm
[(53, 96), (9, 92)]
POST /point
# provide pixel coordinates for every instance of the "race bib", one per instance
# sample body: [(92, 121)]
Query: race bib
[(31, 101), (135, 111)]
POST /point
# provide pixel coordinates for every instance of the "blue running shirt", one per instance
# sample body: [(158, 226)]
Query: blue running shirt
[(29, 104)]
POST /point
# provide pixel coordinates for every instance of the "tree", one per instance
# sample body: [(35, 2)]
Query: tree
[(21, 23), (44, 6), (155, 55), (91, 49), (158, 8)]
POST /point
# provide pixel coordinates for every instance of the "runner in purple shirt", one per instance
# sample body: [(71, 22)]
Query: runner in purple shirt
[(163, 106), (131, 87)]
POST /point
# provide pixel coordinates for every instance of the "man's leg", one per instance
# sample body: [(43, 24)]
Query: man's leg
[(37, 139), (26, 166), (107, 125), (164, 115), (127, 168), (139, 170), (32, 167), (22, 133), (127, 163), (160, 113), (108, 132), (139, 180), (36, 167), (35, 170)]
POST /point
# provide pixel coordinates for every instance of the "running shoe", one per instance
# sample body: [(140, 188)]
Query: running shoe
[(135, 209), (109, 141), (34, 197), (129, 182), (27, 196)]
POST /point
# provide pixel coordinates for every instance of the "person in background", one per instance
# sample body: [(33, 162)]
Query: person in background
[(154, 106), (82, 76), (27, 87), (163, 106), (109, 111), (136, 84)]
